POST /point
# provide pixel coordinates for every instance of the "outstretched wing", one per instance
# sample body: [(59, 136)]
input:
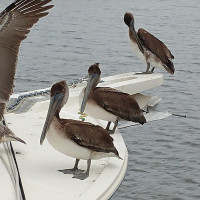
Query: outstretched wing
[(90, 136), (119, 103), (7, 135), (15, 23), (155, 45)]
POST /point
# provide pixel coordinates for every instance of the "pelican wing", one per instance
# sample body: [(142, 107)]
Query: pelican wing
[(4, 130), (6, 135), (88, 135), (119, 103), (15, 23), (155, 45)]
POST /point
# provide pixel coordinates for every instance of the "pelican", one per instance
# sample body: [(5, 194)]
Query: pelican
[(15, 23), (107, 103), (77, 139), (148, 48)]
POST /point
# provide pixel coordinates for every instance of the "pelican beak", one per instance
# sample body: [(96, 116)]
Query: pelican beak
[(55, 102), (93, 78), (132, 28)]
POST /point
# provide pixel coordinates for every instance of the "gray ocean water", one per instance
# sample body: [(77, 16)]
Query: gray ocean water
[(164, 156)]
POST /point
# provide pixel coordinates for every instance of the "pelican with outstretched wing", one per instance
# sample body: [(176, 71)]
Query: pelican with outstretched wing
[(15, 23)]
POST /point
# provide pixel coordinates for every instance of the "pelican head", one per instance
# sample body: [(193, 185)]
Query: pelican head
[(58, 97), (94, 76), (129, 21)]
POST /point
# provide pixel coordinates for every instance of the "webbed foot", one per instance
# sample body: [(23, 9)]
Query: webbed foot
[(81, 176), (71, 171)]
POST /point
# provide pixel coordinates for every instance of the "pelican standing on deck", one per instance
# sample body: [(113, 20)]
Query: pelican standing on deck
[(148, 48), (81, 140), (15, 23), (107, 103)]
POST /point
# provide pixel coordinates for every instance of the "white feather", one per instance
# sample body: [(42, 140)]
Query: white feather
[(151, 58)]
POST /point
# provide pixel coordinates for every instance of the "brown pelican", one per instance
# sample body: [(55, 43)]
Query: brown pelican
[(6, 135), (15, 23), (148, 48), (107, 103), (77, 139)]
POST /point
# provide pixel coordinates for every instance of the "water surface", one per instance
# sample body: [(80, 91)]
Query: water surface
[(164, 155)]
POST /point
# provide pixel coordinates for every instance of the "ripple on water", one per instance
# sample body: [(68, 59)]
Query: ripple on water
[(164, 155)]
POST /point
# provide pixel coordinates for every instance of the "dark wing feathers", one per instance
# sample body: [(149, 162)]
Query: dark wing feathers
[(2, 108), (90, 136), (158, 48), (119, 103), (15, 23), (155, 45)]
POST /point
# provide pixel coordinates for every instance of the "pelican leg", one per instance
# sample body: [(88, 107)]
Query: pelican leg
[(152, 69), (84, 175), (147, 70), (74, 170), (108, 126), (148, 67), (114, 128)]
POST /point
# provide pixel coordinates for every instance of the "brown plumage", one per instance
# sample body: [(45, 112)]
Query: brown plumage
[(15, 23), (118, 103), (149, 48), (88, 135), (157, 47)]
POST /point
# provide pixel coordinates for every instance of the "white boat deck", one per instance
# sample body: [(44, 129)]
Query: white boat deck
[(38, 164)]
